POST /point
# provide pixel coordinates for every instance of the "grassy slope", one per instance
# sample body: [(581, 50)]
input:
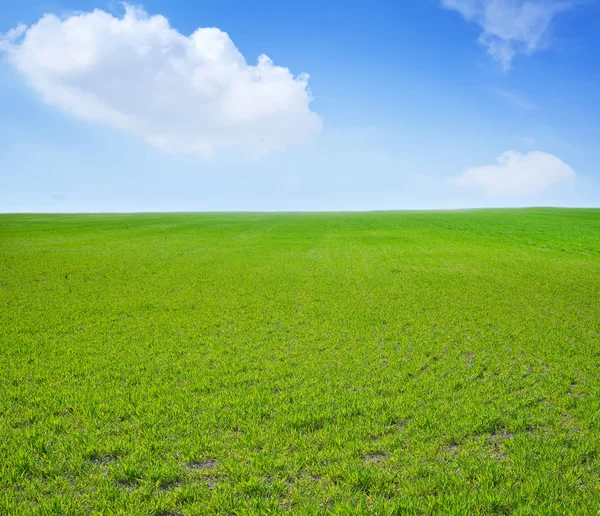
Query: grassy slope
[(244, 363)]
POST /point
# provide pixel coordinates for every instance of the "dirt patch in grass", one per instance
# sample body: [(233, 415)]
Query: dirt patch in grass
[(499, 437), (375, 457), (496, 440), (305, 476), (286, 505), (203, 465), (170, 486), (470, 359), (569, 422), (453, 449), (107, 459), (127, 485), (213, 481)]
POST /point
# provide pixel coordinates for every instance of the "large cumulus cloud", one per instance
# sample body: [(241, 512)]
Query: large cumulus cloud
[(184, 94)]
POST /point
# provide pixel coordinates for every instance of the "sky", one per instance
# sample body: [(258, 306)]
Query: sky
[(290, 106)]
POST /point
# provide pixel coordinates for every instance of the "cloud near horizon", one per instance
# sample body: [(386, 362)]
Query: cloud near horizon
[(510, 27), (517, 174), (184, 94)]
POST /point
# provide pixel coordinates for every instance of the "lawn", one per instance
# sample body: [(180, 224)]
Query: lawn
[(334, 363)]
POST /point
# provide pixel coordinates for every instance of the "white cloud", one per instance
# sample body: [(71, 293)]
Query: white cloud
[(183, 94), (510, 27), (517, 174)]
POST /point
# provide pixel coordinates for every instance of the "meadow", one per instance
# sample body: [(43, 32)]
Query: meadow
[(333, 363)]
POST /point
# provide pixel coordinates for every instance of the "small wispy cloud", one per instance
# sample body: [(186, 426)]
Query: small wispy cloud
[(517, 174), (527, 140), (516, 100), (510, 27)]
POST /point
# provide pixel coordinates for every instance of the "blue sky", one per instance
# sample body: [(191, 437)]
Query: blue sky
[(408, 105)]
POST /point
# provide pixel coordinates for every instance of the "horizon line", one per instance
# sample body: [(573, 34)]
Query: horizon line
[(383, 210)]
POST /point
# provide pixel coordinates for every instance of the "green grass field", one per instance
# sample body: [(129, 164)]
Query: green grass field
[(382, 363)]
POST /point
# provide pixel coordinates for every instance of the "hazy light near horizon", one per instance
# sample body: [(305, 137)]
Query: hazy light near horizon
[(184, 94)]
